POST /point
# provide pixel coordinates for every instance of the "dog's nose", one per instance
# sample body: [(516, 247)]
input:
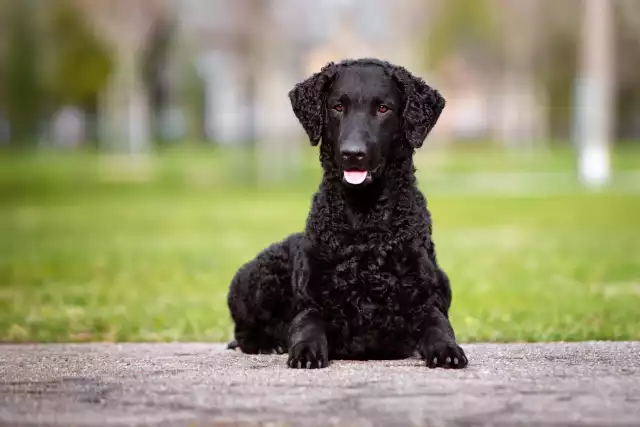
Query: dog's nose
[(353, 150)]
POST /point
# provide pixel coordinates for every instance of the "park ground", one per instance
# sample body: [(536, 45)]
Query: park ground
[(94, 250), (202, 384)]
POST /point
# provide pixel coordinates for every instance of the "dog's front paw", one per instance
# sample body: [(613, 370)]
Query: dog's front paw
[(308, 355), (444, 353)]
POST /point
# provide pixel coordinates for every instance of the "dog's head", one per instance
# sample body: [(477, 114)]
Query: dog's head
[(365, 111)]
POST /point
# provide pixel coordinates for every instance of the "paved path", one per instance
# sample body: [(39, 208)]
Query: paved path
[(202, 384)]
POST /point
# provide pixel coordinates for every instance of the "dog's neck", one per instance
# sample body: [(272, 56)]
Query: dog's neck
[(341, 215)]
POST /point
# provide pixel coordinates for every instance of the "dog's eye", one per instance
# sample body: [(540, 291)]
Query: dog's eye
[(383, 109), (339, 108)]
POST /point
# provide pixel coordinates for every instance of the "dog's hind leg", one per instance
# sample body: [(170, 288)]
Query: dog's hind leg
[(261, 303)]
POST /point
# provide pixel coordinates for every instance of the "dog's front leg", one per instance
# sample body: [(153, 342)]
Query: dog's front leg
[(308, 341), (438, 345), (307, 338)]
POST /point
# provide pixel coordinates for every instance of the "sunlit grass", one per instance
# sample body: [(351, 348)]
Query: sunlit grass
[(88, 252)]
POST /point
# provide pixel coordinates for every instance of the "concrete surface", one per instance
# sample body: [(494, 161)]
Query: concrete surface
[(596, 383)]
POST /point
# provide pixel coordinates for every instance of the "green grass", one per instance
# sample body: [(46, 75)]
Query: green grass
[(92, 253)]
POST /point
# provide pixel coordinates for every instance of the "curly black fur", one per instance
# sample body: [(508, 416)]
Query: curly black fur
[(362, 280)]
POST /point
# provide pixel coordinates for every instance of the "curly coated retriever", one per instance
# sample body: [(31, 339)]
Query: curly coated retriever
[(361, 281)]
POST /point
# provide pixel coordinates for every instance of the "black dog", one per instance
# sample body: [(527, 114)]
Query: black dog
[(362, 280)]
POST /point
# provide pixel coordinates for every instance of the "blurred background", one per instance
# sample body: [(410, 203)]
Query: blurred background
[(148, 149)]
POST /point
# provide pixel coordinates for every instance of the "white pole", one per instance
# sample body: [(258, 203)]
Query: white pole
[(595, 93)]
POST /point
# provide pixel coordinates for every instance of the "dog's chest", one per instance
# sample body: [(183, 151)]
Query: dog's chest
[(367, 266), (367, 304), (372, 281)]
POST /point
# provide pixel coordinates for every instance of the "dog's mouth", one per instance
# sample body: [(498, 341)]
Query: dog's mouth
[(357, 176)]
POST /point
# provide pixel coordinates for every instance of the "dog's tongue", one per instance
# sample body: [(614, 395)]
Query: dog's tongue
[(355, 177)]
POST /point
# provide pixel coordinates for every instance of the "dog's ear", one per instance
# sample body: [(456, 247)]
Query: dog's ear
[(308, 99), (423, 106)]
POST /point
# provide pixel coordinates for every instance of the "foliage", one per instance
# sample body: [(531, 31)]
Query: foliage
[(22, 92), (80, 61), (558, 78), (627, 24), (49, 57), (156, 63), (461, 26)]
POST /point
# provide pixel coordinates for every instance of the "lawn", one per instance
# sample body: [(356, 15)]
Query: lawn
[(92, 252)]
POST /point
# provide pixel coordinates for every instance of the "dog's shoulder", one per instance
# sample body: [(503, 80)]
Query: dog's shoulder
[(279, 252)]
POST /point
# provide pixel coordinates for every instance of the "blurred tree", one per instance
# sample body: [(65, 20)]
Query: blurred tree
[(252, 45), (155, 72), (461, 26), (124, 107), (50, 58), (628, 61), (557, 66), (21, 90), (4, 39), (192, 88), (79, 62), (557, 77), (539, 40), (522, 121)]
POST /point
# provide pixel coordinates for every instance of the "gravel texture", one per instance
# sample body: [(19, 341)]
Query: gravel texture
[(591, 383)]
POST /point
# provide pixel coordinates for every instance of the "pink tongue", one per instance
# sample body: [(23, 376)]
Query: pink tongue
[(355, 177)]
